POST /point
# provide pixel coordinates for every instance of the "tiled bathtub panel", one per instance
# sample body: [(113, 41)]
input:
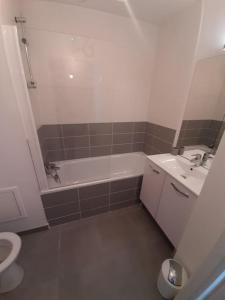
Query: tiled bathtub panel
[(126, 184), (94, 203), (59, 198), (94, 191), (62, 210), (124, 196), (70, 205)]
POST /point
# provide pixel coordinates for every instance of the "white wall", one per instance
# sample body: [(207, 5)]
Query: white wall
[(16, 163), (206, 98), (212, 37), (8, 10), (211, 43), (206, 223), (112, 62), (175, 63)]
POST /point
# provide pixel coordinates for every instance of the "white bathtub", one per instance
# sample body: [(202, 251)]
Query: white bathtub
[(88, 171)]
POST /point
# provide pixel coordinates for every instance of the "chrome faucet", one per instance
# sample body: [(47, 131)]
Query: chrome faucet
[(52, 169), (196, 160), (200, 160), (205, 158)]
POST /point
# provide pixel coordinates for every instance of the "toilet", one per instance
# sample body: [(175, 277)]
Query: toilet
[(11, 274)]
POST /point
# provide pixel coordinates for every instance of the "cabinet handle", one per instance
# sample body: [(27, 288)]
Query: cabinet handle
[(154, 170), (178, 191)]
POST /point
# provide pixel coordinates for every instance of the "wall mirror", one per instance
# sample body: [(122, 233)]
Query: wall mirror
[(203, 122)]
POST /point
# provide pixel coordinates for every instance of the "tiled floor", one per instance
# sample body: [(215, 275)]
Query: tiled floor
[(114, 256)]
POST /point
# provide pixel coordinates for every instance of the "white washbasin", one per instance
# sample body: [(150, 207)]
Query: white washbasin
[(182, 170)]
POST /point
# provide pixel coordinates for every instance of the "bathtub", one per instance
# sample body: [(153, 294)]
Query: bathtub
[(78, 172), (92, 186)]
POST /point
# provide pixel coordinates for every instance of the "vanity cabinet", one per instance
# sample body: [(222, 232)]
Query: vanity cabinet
[(168, 201), (175, 207), (152, 187)]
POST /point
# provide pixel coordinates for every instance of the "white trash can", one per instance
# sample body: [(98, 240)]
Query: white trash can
[(172, 278)]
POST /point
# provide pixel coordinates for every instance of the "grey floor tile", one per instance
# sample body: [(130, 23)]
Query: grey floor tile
[(116, 255)]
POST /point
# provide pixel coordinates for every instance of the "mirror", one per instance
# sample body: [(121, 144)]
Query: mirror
[(203, 122)]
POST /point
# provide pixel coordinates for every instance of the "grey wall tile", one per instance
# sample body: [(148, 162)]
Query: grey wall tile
[(51, 131), (101, 128), (164, 133), (101, 140), (126, 127), (123, 196), (60, 198), (139, 137), (57, 155), (62, 210), (53, 143), (75, 129), (149, 139), (89, 140), (100, 151), (94, 191), (76, 142), (119, 149), (195, 132), (94, 203), (150, 150), (139, 147), (161, 145), (123, 138), (77, 153), (140, 127)]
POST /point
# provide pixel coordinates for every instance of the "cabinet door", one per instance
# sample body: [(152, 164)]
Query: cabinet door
[(152, 187), (175, 207)]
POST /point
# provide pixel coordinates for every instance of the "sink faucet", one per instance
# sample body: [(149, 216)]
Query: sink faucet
[(200, 160), (205, 159), (196, 160)]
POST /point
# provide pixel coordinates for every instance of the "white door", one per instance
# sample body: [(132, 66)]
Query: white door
[(20, 204), (175, 207), (152, 187)]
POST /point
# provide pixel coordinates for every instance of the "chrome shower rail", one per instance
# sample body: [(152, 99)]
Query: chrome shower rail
[(31, 84)]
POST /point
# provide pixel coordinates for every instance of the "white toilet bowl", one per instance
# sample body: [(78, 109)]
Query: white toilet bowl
[(11, 275)]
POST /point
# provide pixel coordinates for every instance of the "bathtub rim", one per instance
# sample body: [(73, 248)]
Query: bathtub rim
[(95, 182)]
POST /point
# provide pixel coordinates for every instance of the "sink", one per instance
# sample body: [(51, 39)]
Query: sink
[(182, 170)]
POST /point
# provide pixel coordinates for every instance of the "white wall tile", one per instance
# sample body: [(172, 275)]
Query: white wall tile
[(112, 65)]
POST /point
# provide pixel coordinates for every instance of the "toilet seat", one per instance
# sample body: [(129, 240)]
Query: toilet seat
[(16, 243)]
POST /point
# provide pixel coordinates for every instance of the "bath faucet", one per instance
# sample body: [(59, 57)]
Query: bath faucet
[(51, 167), (52, 170)]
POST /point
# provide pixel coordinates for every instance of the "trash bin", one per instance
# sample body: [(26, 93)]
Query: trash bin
[(172, 278)]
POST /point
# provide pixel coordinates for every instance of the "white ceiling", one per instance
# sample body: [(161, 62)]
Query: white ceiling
[(154, 11)]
